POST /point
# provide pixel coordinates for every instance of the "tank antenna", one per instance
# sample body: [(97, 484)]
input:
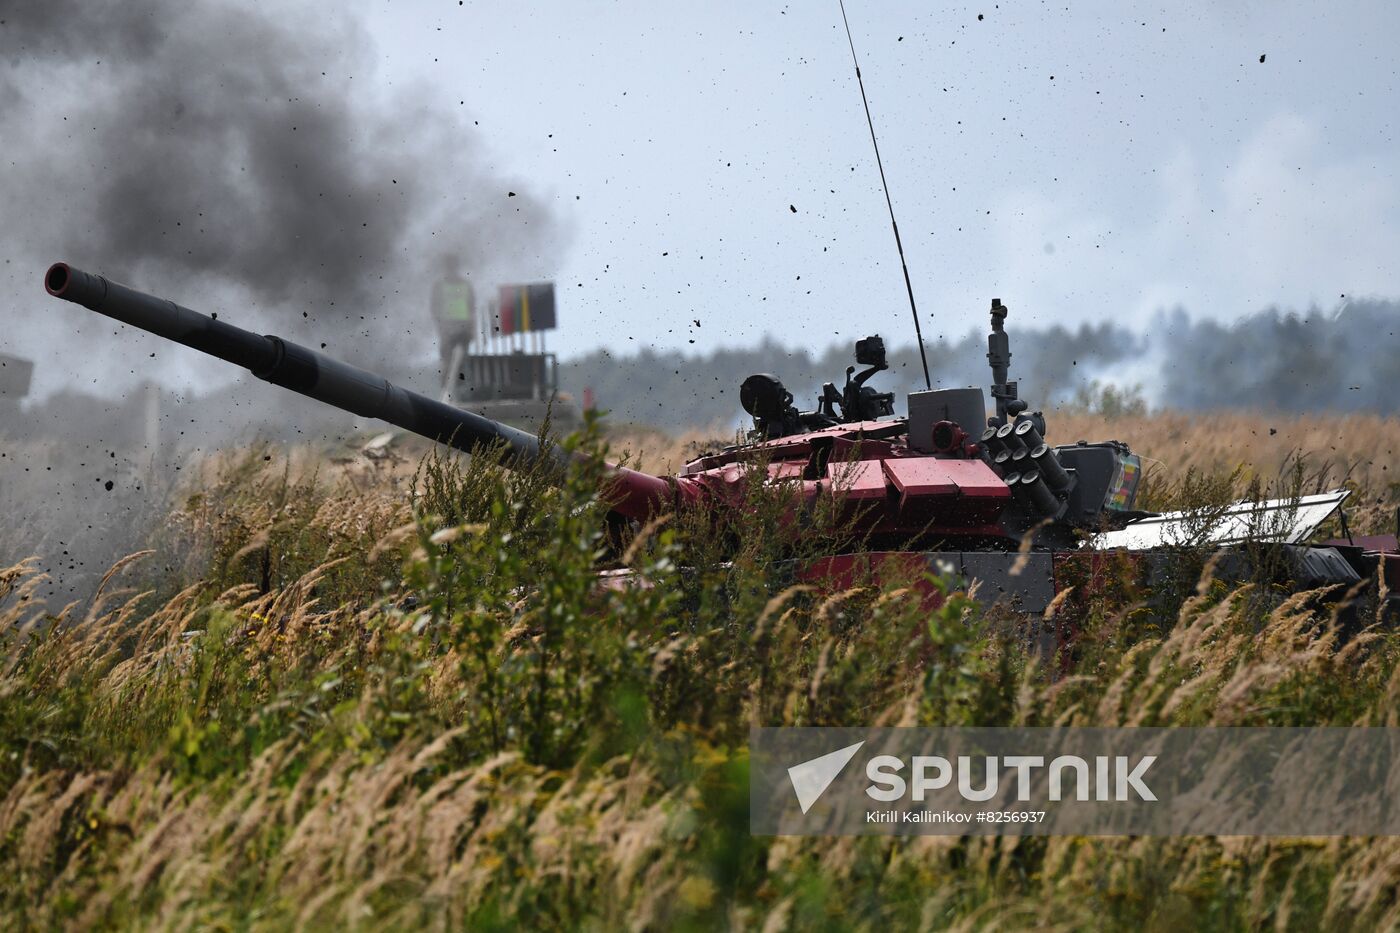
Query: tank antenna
[(918, 332)]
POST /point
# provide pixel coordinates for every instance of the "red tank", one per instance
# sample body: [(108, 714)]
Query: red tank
[(967, 493)]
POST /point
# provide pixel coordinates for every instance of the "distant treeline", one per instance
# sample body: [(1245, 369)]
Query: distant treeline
[(1316, 361)]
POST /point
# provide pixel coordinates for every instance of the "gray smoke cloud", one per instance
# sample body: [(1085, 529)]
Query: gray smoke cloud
[(1344, 360), (242, 158)]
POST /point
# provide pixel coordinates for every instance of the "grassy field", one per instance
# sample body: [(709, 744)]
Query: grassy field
[(390, 694)]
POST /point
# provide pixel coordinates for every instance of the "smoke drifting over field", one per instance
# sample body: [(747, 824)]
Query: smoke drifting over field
[(232, 155), (1344, 361), (241, 159)]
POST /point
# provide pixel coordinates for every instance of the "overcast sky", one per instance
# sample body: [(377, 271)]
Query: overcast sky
[(1082, 162)]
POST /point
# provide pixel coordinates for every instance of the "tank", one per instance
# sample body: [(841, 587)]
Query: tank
[(922, 477), (950, 487)]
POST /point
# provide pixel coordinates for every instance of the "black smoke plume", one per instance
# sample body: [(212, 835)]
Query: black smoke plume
[(240, 158), (238, 154)]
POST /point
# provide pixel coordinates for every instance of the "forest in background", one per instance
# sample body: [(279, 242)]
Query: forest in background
[(1342, 361)]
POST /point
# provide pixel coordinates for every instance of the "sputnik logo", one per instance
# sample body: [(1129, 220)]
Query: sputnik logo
[(811, 778)]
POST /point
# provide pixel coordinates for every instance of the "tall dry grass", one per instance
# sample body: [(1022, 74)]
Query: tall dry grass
[(392, 695)]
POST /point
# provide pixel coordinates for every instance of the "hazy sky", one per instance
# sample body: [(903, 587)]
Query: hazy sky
[(1081, 161)]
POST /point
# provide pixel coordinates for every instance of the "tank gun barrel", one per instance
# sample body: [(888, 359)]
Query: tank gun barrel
[(316, 375)]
